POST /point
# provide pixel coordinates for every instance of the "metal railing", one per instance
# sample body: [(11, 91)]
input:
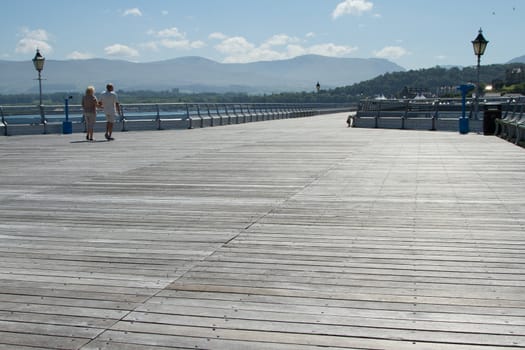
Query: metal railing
[(18, 120), (431, 114)]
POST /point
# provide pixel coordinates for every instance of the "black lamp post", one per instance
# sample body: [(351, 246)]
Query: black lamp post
[(479, 44), (38, 62), (318, 87)]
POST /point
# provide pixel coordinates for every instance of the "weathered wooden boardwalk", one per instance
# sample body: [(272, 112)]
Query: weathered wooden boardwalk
[(287, 234)]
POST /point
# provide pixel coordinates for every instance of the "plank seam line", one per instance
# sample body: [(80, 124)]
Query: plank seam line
[(315, 179)]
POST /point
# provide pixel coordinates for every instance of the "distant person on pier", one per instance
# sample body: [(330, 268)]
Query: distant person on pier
[(111, 105), (89, 107)]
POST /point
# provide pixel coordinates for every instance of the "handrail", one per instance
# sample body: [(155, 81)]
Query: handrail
[(28, 119), (432, 106), (433, 114)]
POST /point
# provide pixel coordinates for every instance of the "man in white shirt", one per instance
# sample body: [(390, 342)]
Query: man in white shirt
[(109, 101)]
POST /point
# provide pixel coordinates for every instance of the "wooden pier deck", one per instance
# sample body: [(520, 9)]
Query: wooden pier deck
[(287, 234)]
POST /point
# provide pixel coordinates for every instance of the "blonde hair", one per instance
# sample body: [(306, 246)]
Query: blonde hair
[(90, 90)]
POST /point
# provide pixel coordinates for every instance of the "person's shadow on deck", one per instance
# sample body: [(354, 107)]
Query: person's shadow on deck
[(88, 141)]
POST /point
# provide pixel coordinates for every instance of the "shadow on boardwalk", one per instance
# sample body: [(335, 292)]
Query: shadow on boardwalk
[(287, 234)]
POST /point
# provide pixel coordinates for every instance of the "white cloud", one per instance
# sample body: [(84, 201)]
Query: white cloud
[(174, 44), (121, 50), (296, 50), (150, 46), (76, 55), (391, 52), (172, 38), (352, 7), (197, 44), (331, 50), (164, 12), (172, 32), (239, 50), (32, 40), (132, 12), (279, 40), (181, 44), (236, 45), (217, 36), (310, 35)]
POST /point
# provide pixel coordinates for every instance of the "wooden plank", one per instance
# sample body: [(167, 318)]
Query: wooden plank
[(49, 329), (309, 325), (41, 318), (355, 300), (12, 340), (301, 320), (290, 234)]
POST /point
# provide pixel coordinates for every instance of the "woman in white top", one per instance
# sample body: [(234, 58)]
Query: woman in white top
[(89, 106)]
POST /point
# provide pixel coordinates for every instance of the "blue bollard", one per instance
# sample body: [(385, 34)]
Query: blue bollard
[(67, 126), (463, 120), (463, 125)]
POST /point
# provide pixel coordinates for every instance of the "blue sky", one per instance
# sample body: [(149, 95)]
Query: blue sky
[(412, 33)]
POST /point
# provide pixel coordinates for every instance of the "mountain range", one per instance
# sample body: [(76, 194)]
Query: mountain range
[(193, 74)]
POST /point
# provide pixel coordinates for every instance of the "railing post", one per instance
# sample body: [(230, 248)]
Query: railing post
[(200, 116), (122, 118), (190, 126), (43, 119), (228, 114), (218, 114), (259, 112), (404, 118), (435, 116), (209, 115), (3, 121), (247, 114), (158, 117), (244, 115), (237, 115), (378, 115), (518, 119)]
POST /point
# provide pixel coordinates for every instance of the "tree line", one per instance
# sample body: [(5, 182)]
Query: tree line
[(437, 81)]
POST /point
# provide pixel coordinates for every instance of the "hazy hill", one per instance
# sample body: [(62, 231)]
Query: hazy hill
[(436, 80), (520, 59), (193, 74)]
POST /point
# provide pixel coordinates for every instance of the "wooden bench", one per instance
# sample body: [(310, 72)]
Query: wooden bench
[(504, 126)]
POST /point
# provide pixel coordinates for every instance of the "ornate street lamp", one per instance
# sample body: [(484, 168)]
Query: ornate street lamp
[(38, 62), (479, 44)]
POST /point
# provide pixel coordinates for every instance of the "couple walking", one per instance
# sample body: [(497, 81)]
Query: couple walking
[(108, 101)]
